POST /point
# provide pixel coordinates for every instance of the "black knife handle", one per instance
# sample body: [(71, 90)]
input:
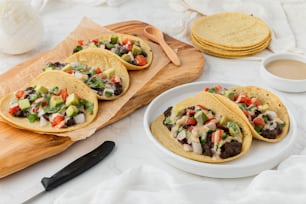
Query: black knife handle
[(78, 166)]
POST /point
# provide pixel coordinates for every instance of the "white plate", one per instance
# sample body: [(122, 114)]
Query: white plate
[(261, 156)]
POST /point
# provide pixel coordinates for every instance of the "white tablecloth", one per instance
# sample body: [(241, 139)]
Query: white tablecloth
[(133, 172)]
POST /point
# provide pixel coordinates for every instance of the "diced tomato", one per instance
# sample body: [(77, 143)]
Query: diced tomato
[(80, 42), (69, 71), (218, 88), (14, 109), (211, 119), (98, 70), (255, 101), (115, 79), (248, 101), (190, 113), (190, 128), (41, 101), (242, 98), (140, 60), (217, 136), (206, 89), (96, 41), (191, 121), (259, 121), (57, 120), (64, 93), (19, 94), (127, 41), (247, 113)]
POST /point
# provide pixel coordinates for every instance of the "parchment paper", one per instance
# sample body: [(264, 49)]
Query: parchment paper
[(16, 77)]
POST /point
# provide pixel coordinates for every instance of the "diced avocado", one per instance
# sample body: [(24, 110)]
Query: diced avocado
[(114, 39), (263, 108), (55, 101), (136, 42), (67, 67), (41, 89), (24, 104), (177, 109), (48, 68), (109, 73), (109, 46), (201, 117), (233, 129), (231, 95), (136, 50), (71, 111), (126, 57), (223, 120), (72, 99)]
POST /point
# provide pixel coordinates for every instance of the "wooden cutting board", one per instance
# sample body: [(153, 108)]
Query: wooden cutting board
[(20, 149)]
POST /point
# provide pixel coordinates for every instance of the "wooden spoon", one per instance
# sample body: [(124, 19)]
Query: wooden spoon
[(157, 36)]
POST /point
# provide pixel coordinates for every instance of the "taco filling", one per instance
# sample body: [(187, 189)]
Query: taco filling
[(128, 49), (105, 83), (203, 131), (263, 119), (50, 106)]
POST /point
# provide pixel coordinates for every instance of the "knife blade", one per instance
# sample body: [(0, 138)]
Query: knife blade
[(70, 171)]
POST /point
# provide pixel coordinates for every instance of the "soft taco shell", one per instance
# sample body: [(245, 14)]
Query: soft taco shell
[(103, 59), (232, 30), (162, 134), (50, 79), (273, 101), (145, 46)]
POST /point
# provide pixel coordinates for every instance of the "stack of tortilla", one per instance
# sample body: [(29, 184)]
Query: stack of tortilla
[(230, 35)]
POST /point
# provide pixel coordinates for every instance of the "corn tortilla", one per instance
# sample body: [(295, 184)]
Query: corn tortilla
[(236, 30), (162, 134), (50, 79), (274, 103), (103, 59)]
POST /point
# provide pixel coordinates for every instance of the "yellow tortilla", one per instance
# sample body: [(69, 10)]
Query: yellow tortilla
[(105, 60), (162, 134), (214, 51), (233, 30), (266, 97), (50, 79), (145, 46)]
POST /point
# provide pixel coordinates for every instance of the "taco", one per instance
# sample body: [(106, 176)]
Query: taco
[(133, 52), (201, 128), (53, 102), (103, 73), (263, 111)]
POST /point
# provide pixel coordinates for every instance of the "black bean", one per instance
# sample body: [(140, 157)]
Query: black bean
[(20, 114), (168, 111), (70, 122)]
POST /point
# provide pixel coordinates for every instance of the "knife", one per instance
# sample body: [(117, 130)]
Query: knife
[(70, 171)]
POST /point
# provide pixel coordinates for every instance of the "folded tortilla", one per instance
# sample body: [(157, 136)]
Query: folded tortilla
[(162, 134), (121, 37), (105, 60), (266, 97), (49, 80)]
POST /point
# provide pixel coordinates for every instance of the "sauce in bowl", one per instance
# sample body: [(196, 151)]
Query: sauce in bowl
[(287, 68)]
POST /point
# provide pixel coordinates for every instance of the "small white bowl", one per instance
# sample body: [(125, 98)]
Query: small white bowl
[(280, 83)]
